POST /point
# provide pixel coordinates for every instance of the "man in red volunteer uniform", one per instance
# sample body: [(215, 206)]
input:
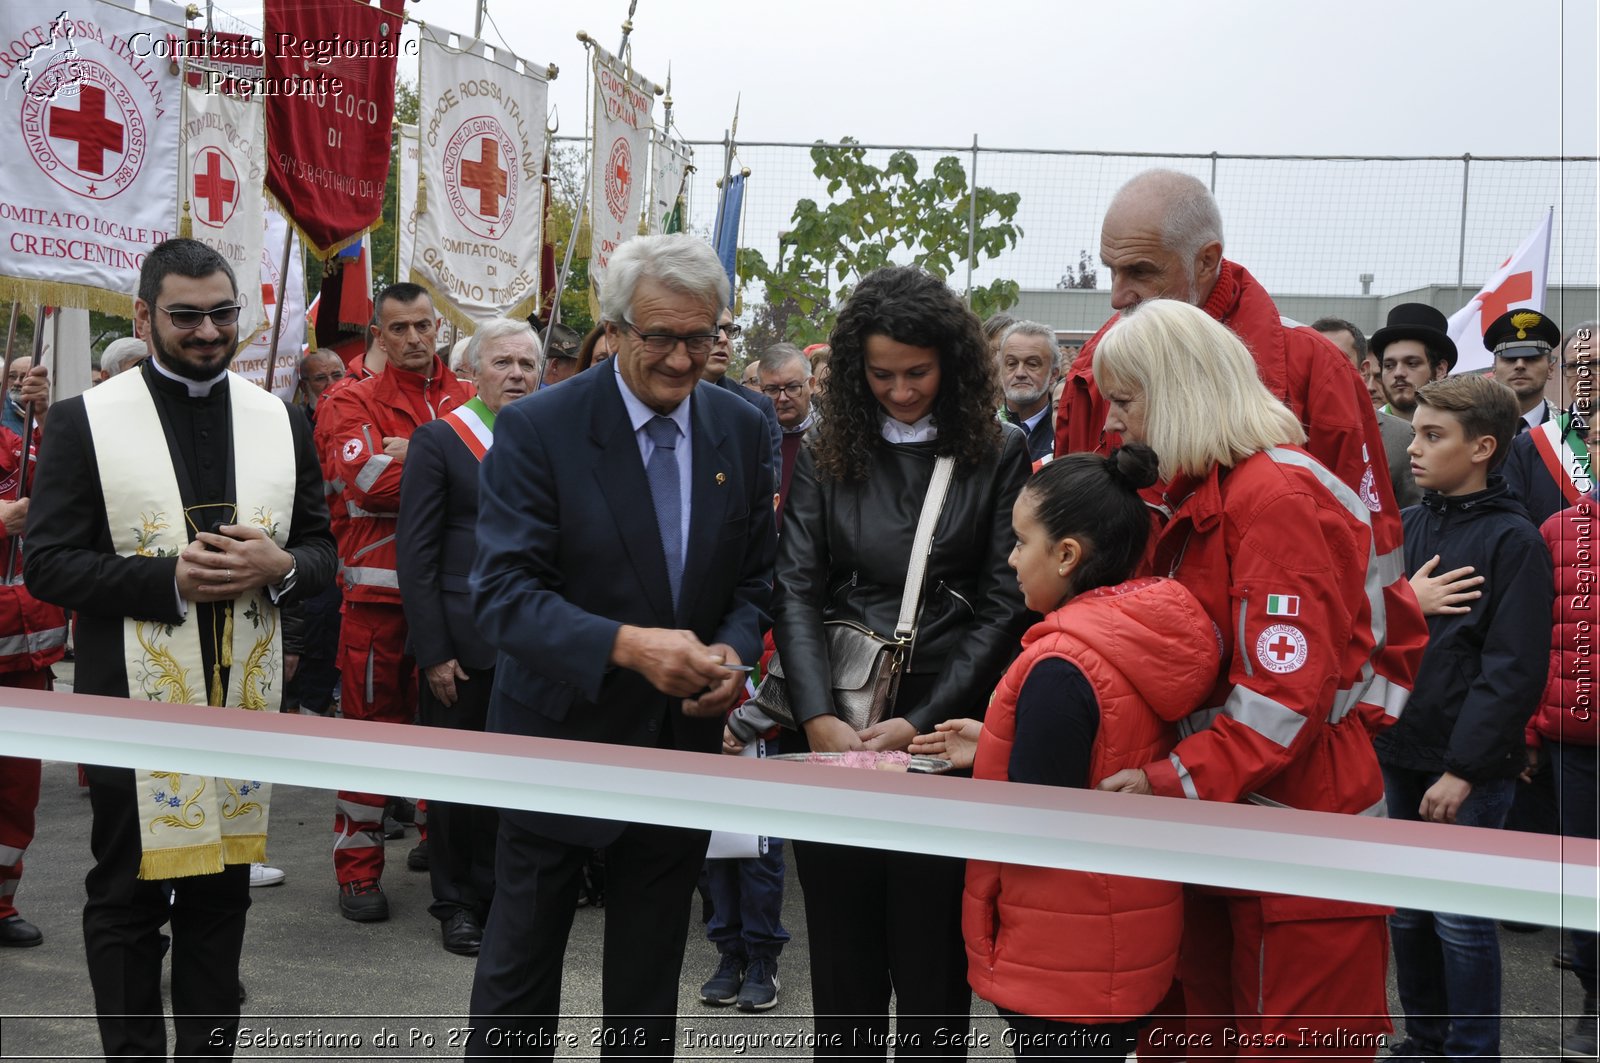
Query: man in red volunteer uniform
[(33, 636), (1162, 239), (363, 431)]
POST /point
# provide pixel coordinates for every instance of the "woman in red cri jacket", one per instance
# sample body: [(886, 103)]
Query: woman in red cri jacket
[(1280, 554)]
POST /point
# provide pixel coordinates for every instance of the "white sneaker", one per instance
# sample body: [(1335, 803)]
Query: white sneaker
[(263, 875)]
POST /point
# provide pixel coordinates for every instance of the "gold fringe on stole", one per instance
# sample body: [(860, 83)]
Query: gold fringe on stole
[(181, 862), (244, 848), (32, 293)]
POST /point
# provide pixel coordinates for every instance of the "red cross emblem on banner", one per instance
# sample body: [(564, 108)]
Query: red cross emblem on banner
[(214, 186), (1282, 648), (88, 128), (485, 177), (1514, 289)]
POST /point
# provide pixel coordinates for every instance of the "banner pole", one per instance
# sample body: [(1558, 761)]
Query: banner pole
[(577, 216), (277, 311), (11, 342), (27, 435)]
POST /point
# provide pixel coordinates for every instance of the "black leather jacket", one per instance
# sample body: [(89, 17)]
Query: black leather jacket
[(843, 555)]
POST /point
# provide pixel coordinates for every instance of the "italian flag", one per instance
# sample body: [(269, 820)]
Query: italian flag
[(1283, 605)]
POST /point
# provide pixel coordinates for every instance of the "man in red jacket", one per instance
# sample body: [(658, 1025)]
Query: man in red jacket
[(363, 431), (33, 636), (1162, 239)]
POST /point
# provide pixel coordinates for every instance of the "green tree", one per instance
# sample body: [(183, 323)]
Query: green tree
[(888, 215)]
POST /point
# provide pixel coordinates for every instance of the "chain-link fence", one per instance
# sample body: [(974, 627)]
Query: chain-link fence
[(1307, 225)]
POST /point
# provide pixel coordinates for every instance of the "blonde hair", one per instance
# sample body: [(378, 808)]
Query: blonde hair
[(1205, 404)]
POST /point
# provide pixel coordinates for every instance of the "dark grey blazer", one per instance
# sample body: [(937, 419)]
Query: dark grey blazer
[(435, 541)]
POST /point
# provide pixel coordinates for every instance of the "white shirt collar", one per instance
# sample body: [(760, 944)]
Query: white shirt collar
[(639, 414), (804, 426), (198, 389), (923, 431), (1535, 416)]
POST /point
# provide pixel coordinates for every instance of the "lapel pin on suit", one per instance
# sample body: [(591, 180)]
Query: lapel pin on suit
[(722, 478)]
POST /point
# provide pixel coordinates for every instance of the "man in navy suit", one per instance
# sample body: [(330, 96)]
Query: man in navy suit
[(625, 550)]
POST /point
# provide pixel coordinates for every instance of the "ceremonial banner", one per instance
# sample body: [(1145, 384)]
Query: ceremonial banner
[(406, 237), (1519, 283), (89, 137), (251, 362), (622, 128), (224, 158), (673, 159), (231, 64), (726, 238), (65, 349), (482, 149), (330, 71)]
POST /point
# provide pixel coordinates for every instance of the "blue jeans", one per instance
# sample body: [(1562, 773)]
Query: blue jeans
[(1447, 966), (747, 904), (1574, 767)]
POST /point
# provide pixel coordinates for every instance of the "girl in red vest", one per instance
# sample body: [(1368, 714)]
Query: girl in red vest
[(1074, 960)]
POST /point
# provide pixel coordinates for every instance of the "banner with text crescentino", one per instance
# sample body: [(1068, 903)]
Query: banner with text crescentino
[(89, 135), (329, 138), (620, 161), (482, 150), (224, 157)]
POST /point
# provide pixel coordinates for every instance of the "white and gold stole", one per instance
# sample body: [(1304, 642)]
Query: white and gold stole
[(194, 824)]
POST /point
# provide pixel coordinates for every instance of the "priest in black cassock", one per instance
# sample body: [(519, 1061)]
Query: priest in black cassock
[(175, 508)]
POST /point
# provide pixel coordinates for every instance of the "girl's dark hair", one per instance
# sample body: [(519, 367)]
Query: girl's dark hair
[(917, 309), (1095, 500)]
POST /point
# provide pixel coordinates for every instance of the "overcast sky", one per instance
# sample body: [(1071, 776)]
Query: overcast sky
[(1235, 76)]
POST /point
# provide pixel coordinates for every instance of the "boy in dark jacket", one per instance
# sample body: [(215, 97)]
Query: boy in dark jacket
[(1456, 752)]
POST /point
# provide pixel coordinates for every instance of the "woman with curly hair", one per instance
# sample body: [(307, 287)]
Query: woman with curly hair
[(912, 381)]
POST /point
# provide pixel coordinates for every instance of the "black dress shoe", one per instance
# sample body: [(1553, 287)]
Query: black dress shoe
[(462, 934), (17, 933)]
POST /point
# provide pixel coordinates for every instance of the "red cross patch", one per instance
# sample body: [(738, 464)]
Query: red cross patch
[(1281, 648), (352, 449)]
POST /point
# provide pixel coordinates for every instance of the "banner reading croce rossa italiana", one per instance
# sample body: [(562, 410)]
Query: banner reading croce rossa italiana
[(329, 118), (251, 361), (482, 131), (89, 142), (621, 160), (224, 157)]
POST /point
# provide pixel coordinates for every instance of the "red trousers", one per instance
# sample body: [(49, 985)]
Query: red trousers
[(1274, 977), (378, 681), (19, 799)]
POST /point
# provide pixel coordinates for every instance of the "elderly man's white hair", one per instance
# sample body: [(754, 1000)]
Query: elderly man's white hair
[(122, 354), (1038, 331), (499, 328), (679, 262), (1192, 219)]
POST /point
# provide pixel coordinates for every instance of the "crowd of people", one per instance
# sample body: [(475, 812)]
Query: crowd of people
[(1212, 555)]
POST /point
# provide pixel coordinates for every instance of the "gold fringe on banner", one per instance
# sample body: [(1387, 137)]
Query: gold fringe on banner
[(453, 314), (31, 293), (322, 254), (185, 223), (422, 191)]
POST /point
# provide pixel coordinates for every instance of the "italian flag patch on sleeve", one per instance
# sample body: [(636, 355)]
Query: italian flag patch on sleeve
[(1283, 605)]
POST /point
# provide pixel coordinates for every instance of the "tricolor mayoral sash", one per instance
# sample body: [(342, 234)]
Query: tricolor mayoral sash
[(1560, 446), (194, 824)]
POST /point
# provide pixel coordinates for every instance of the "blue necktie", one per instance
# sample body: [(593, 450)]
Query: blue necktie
[(664, 492)]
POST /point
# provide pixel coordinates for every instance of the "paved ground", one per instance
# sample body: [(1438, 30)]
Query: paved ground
[(311, 973)]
